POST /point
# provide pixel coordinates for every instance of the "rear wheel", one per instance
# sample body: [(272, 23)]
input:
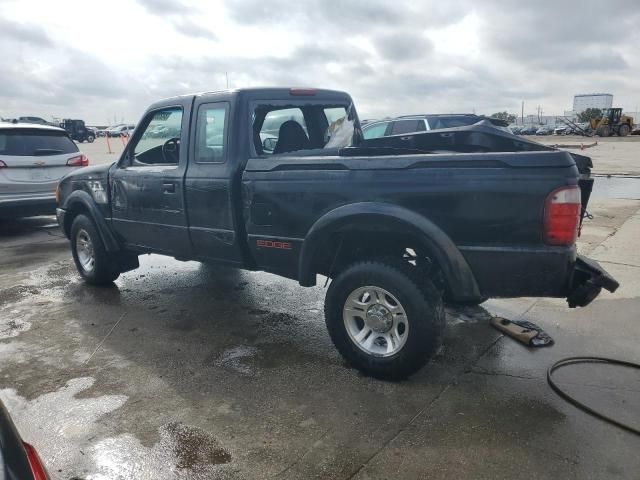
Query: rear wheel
[(90, 138), (624, 130), (89, 254), (383, 321)]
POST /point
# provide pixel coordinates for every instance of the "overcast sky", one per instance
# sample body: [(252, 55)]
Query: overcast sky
[(110, 59)]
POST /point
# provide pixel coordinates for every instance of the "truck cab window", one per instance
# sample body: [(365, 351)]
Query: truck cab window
[(160, 139), (210, 133), (339, 132), (284, 131)]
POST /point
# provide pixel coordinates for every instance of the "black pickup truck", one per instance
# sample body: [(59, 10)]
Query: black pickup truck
[(281, 180)]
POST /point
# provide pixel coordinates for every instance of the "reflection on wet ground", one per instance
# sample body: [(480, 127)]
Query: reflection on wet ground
[(617, 187)]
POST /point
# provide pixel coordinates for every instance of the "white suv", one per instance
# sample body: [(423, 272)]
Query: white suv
[(33, 158)]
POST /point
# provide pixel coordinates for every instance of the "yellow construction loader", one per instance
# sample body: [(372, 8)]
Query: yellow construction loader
[(612, 122)]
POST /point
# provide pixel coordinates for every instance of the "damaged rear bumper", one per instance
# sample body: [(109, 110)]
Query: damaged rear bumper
[(588, 280)]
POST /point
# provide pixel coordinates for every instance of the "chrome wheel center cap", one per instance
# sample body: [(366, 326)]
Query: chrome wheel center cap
[(379, 319)]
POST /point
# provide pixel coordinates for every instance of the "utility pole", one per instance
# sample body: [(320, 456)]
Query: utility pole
[(522, 112), (226, 74)]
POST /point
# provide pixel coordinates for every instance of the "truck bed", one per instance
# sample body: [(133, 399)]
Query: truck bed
[(489, 204)]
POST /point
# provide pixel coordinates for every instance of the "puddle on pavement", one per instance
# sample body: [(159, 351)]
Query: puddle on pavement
[(235, 358), (193, 446), (70, 451), (617, 188), (13, 327), (182, 452), (67, 420), (16, 293)]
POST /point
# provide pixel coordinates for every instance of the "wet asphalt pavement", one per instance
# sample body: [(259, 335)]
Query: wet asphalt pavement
[(183, 370)]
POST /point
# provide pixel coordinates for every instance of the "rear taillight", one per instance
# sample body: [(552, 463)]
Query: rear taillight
[(562, 216), (37, 468), (79, 161), (2, 164)]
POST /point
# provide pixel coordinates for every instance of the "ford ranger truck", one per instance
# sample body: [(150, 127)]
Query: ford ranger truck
[(281, 180)]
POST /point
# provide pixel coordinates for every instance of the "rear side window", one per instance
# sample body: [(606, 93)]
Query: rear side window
[(210, 133), (451, 122), (407, 126), (22, 143), (375, 131)]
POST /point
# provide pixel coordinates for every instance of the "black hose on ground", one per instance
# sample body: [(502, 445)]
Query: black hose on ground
[(576, 360)]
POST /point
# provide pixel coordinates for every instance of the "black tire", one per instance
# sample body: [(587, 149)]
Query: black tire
[(604, 131), (424, 314), (103, 270), (623, 130), (90, 138)]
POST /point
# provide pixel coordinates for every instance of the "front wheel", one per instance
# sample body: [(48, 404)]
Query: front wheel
[(383, 319), (89, 254)]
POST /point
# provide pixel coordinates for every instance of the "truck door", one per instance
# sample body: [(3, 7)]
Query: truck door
[(209, 185), (147, 186)]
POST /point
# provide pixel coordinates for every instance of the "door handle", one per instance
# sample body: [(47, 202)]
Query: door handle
[(168, 188)]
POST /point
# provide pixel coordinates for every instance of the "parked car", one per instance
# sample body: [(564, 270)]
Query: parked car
[(120, 131), (516, 129), (529, 130), (78, 131), (36, 120), (33, 158), (18, 459), (163, 131), (372, 215), (421, 123), (544, 130), (635, 130)]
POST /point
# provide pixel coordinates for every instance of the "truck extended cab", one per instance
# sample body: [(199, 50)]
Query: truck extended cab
[(281, 180)]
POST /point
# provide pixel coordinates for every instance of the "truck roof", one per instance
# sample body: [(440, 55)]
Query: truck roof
[(260, 92)]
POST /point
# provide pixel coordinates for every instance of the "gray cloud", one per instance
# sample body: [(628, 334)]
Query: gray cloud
[(164, 7), (400, 46), (190, 28), (24, 33), (184, 18), (561, 36), (356, 15)]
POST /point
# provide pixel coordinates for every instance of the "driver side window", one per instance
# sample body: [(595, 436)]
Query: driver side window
[(160, 140)]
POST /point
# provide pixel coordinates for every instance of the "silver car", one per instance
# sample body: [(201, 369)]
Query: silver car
[(33, 158)]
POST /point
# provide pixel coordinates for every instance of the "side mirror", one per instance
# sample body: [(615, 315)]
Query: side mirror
[(269, 144)]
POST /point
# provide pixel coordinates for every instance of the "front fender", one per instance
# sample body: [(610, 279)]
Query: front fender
[(80, 201), (393, 219)]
